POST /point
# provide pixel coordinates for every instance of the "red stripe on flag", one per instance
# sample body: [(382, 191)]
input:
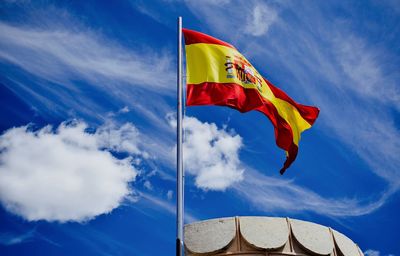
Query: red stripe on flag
[(292, 154), (237, 97), (194, 37)]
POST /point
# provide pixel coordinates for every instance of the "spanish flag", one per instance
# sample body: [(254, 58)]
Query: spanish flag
[(217, 74)]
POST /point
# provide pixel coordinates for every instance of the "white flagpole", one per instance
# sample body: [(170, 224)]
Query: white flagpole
[(179, 174)]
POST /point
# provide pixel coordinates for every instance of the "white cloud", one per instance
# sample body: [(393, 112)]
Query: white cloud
[(124, 110), (262, 17), (170, 194), (211, 154), (60, 175), (372, 253), (147, 184), (119, 139)]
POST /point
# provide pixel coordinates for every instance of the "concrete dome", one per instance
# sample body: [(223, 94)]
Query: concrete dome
[(265, 236)]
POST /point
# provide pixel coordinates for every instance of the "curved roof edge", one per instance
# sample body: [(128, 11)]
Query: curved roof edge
[(258, 234)]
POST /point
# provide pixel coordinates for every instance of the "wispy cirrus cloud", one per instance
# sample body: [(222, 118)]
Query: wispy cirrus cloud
[(16, 238), (270, 194), (63, 55), (68, 62), (370, 252), (13, 239), (163, 205), (234, 18), (364, 66), (260, 19), (351, 86)]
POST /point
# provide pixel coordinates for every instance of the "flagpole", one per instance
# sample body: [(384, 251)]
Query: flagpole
[(179, 164)]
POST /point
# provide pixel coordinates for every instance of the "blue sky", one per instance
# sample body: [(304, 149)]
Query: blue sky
[(87, 112)]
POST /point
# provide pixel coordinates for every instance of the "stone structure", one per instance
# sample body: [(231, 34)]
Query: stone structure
[(253, 236)]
